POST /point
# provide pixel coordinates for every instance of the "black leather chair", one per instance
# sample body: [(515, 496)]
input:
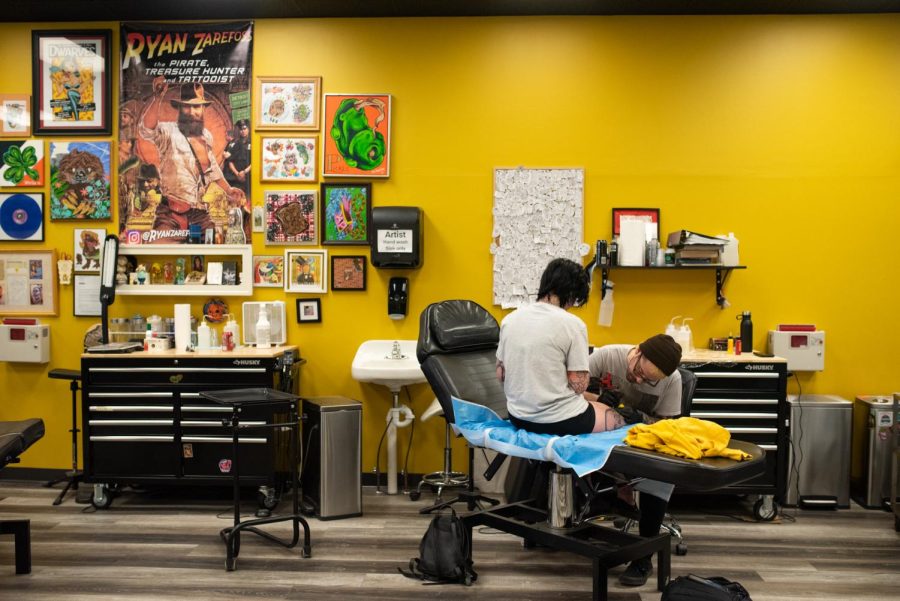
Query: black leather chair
[(15, 437), (457, 350)]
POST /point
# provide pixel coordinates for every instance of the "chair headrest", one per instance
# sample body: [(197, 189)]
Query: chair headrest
[(456, 326)]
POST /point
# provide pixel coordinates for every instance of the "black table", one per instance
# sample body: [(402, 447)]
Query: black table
[(251, 397)]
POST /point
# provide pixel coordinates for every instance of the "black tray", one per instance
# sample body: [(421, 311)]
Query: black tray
[(249, 396)]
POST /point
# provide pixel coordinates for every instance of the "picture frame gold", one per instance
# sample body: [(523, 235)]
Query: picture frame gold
[(28, 282), (15, 116), (288, 103)]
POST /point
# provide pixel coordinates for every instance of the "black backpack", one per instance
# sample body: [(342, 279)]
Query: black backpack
[(695, 588), (443, 553)]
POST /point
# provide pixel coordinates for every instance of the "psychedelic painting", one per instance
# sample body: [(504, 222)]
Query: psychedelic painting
[(79, 180), (346, 213), (357, 139)]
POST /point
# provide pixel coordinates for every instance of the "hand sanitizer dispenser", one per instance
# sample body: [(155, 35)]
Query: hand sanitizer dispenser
[(397, 237), (398, 297)]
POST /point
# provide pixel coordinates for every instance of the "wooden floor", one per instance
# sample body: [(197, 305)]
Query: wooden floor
[(165, 545)]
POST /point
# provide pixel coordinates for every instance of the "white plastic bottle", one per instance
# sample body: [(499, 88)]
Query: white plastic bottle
[(672, 329), (263, 329), (730, 252), (607, 306), (233, 327), (203, 336), (685, 336)]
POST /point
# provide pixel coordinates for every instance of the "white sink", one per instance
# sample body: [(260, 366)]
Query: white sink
[(379, 362)]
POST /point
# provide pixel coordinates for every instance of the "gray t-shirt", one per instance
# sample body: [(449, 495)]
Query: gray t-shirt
[(539, 343), (662, 400)]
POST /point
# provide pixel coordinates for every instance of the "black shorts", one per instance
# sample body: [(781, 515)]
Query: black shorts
[(580, 424)]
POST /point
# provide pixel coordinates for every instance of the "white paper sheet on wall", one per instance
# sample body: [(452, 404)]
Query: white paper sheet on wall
[(538, 216), (631, 242)]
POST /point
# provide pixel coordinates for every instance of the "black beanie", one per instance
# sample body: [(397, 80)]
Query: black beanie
[(663, 352)]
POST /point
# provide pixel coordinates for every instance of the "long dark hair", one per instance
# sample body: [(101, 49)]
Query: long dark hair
[(567, 280)]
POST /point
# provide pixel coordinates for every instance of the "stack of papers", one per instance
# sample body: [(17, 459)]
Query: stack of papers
[(688, 238)]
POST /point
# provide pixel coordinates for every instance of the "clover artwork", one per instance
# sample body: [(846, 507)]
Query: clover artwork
[(21, 163)]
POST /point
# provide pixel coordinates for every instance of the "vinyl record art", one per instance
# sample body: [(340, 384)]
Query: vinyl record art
[(22, 217)]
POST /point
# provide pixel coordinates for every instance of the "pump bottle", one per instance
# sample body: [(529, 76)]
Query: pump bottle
[(203, 339), (263, 329)]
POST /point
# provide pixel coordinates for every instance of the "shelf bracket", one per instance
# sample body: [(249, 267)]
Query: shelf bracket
[(721, 275)]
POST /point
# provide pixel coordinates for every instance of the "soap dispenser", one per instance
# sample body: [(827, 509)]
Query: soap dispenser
[(263, 329), (672, 329), (398, 297), (203, 340)]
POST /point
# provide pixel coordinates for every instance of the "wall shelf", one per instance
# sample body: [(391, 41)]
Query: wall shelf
[(722, 273), (242, 253)]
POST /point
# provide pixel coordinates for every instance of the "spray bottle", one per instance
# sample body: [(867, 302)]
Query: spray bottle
[(607, 305), (672, 329), (263, 329), (685, 336)]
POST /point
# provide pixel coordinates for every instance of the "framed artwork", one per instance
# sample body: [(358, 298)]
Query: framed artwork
[(289, 159), (28, 284), (88, 245), (15, 115), (71, 81), (292, 217), (21, 163), (259, 219), (79, 180), (87, 296), (309, 310), (306, 271), (268, 271), (346, 213), (646, 215), (348, 272), (22, 217), (289, 103), (357, 138)]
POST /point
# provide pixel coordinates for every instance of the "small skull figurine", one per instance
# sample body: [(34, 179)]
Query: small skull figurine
[(64, 267), (121, 271)]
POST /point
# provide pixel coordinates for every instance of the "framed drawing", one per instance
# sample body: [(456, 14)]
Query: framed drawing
[(346, 213), (21, 163), (259, 219), (288, 103), (357, 139), (309, 310), (646, 215), (88, 244), (79, 180), (15, 115), (71, 81), (348, 272), (22, 217), (292, 217), (28, 284), (306, 271), (289, 159), (268, 271)]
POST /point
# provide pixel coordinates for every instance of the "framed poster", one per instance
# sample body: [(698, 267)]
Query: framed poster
[(309, 310), (15, 115), (292, 217), (306, 271), (21, 163), (71, 81), (28, 284), (22, 217), (79, 180), (288, 103), (87, 296), (646, 215), (357, 139), (289, 159), (87, 245), (346, 213), (348, 272), (268, 271)]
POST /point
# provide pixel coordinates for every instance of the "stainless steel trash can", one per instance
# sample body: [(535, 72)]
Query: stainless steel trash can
[(872, 440), (332, 456), (819, 453)]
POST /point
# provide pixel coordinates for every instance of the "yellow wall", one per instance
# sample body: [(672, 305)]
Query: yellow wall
[(784, 130)]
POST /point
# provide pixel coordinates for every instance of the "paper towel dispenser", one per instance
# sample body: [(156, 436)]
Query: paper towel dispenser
[(397, 237)]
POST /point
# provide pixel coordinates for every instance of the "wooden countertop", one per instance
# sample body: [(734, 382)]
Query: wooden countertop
[(701, 355), (244, 352)]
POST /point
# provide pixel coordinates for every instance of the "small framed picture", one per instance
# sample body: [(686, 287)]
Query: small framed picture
[(306, 270), (268, 271), (292, 217), (348, 272), (346, 213), (645, 215), (88, 244), (259, 219), (15, 116), (289, 103), (22, 163), (309, 310), (289, 159), (198, 263)]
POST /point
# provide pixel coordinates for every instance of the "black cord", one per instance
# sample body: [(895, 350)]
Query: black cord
[(412, 431), (798, 448), (378, 452), (306, 452)]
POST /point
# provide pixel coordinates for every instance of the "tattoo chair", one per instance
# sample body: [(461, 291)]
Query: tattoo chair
[(457, 352), (15, 437)]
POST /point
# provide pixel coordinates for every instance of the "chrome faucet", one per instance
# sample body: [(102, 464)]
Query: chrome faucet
[(395, 350)]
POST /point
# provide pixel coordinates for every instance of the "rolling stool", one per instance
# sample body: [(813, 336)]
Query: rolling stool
[(73, 477), (446, 478)]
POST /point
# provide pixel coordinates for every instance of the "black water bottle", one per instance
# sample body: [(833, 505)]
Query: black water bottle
[(746, 332)]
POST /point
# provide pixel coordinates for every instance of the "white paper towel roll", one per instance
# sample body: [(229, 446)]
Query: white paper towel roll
[(182, 327)]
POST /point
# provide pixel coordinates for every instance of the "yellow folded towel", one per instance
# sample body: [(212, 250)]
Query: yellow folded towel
[(685, 437)]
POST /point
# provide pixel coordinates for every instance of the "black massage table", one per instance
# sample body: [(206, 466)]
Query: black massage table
[(15, 437)]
